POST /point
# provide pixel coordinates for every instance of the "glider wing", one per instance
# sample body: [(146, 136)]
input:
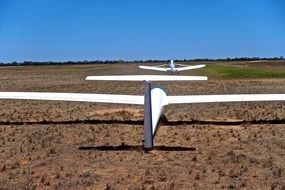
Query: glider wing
[(189, 67), (146, 77), (77, 97), (154, 68), (224, 98)]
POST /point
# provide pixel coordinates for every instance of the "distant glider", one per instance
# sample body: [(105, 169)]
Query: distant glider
[(172, 67)]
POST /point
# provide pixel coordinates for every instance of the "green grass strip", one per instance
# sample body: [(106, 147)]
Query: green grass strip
[(243, 72)]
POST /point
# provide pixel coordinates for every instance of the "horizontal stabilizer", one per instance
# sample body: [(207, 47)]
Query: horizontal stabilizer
[(146, 77), (224, 98), (77, 97)]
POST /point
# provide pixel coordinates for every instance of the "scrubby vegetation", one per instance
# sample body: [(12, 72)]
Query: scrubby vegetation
[(27, 63)]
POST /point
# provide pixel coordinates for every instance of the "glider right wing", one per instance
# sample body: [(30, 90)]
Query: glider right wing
[(224, 98), (189, 67)]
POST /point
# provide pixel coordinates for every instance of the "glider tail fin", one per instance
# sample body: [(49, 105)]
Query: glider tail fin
[(148, 134)]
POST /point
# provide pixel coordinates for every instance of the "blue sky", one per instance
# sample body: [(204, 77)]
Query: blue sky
[(62, 30)]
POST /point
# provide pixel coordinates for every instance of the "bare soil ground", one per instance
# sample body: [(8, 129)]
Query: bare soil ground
[(69, 145)]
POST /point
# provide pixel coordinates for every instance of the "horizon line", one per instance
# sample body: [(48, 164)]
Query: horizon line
[(146, 60)]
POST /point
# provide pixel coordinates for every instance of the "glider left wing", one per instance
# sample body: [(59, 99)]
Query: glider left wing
[(76, 97)]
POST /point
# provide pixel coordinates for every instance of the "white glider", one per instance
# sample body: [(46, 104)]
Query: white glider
[(172, 67), (154, 100)]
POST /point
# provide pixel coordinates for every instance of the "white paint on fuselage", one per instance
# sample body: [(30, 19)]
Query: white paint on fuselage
[(172, 66)]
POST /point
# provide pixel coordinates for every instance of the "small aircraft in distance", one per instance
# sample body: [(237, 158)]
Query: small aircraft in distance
[(172, 67)]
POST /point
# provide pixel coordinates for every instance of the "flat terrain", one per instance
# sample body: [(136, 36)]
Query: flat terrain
[(69, 145)]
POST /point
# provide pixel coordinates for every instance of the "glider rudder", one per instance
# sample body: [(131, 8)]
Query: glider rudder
[(148, 135)]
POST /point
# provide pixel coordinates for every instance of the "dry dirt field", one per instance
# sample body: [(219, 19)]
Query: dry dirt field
[(69, 145)]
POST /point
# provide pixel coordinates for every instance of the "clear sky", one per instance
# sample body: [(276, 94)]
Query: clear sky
[(61, 30)]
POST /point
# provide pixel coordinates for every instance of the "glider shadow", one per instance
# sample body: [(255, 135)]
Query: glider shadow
[(137, 148)]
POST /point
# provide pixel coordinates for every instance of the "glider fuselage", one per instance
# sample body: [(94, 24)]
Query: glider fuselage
[(172, 66)]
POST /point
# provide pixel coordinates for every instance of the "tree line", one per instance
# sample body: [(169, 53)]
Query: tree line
[(28, 63)]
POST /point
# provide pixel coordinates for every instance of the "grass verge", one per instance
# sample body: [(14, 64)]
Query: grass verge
[(223, 71)]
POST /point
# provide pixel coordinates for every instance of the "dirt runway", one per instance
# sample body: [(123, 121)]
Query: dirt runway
[(69, 145)]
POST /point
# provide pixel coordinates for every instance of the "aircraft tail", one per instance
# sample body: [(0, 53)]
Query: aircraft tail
[(148, 135), (147, 78)]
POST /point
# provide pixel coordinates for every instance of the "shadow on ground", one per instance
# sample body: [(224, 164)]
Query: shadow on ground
[(139, 148)]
